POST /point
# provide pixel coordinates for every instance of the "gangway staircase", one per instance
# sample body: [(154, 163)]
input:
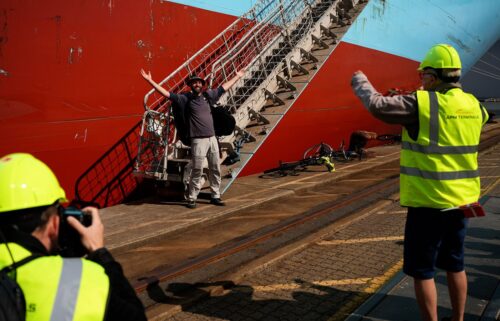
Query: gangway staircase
[(282, 44)]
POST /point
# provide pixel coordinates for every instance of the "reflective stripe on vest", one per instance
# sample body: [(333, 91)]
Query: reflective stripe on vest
[(57, 288), (71, 277), (439, 175), (439, 169), (439, 149)]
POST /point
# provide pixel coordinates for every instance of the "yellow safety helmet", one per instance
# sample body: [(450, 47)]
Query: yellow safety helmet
[(26, 182), (441, 56)]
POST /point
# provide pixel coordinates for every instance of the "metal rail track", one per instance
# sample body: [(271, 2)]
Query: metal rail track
[(269, 238), (328, 212)]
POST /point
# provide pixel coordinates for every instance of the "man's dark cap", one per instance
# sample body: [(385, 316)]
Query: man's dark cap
[(192, 78)]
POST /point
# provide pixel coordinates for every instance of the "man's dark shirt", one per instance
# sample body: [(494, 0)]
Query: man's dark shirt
[(123, 303), (198, 112)]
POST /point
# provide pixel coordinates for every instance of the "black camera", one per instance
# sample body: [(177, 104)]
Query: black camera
[(70, 244)]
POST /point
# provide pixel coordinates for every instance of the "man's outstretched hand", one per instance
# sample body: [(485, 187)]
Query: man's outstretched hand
[(240, 73), (146, 75)]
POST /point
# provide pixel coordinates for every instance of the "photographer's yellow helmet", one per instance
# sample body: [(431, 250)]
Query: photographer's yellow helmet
[(440, 57), (26, 182)]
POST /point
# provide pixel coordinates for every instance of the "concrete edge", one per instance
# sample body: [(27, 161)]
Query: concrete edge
[(492, 310), (375, 299)]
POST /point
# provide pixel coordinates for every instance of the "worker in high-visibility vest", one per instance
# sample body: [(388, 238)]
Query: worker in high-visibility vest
[(56, 287), (439, 171)]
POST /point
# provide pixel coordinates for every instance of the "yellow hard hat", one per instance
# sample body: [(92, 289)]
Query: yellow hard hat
[(26, 182), (441, 56)]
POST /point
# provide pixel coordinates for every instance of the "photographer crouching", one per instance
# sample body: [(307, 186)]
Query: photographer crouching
[(37, 234)]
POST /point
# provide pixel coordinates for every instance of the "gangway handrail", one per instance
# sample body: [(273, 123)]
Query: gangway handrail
[(251, 12), (252, 34), (261, 41), (242, 43)]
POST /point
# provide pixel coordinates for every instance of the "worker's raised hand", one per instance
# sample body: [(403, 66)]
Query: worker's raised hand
[(92, 237), (146, 75), (355, 76), (228, 84)]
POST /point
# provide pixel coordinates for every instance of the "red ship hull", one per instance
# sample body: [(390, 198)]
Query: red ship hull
[(71, 93), (328, 111), (70, 86)]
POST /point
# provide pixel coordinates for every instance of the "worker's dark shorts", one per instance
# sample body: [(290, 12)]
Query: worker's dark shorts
[(433, 239)]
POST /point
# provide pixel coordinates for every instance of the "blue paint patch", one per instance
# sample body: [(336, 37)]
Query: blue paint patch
[(230, 7), (408, 28)]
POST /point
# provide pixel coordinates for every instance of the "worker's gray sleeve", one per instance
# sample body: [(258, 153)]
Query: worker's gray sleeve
[(399, 109)]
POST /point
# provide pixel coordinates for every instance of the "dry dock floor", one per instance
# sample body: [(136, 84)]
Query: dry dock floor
[(348, 269)]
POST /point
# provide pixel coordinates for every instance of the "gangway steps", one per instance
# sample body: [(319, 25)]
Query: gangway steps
[(301, 74), (281, 63)]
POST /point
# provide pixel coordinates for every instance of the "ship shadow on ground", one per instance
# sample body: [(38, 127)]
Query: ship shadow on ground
[(303, 300), (232, 301), (243, 302), (399, 304)]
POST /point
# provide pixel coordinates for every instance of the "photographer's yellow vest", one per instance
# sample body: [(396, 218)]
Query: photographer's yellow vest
[(439, 169), (57, 288)]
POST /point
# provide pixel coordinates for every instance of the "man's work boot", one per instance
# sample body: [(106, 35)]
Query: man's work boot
[(217, 201), (191, 204)]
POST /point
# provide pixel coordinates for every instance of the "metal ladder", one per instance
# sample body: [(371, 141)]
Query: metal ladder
[(282, 43)]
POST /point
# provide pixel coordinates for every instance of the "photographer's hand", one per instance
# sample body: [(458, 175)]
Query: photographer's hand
[(93, 236)]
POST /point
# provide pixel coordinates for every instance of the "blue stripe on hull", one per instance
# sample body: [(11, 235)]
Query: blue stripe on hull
[(408, 28), (231, 7)]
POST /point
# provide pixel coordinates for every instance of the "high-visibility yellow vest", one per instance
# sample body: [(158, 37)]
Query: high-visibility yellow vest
[(57, 288), (439, 169)]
